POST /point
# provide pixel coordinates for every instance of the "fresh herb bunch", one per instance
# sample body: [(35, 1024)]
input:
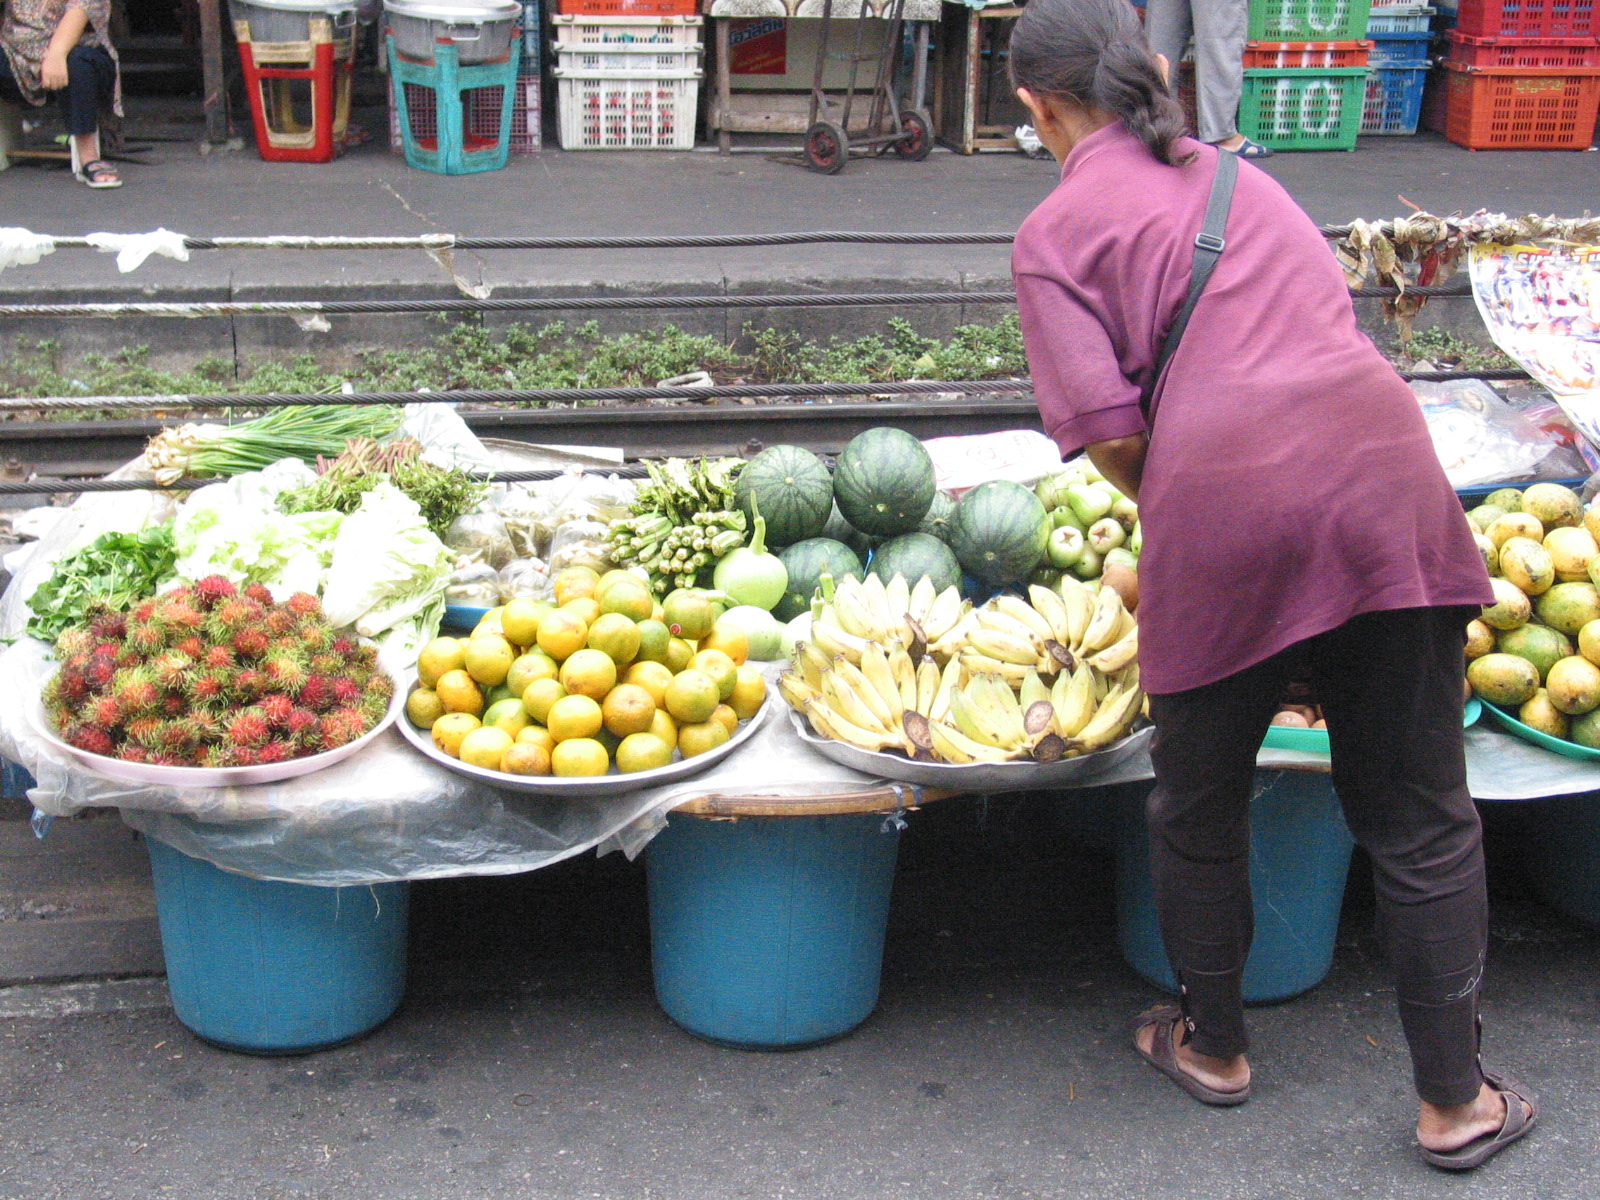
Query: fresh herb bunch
[(112, 572), (296, 431), (442, 494)]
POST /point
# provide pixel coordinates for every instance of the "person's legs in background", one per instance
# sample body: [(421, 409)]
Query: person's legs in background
[(1167, 25), (1219, 33), (91, 76)]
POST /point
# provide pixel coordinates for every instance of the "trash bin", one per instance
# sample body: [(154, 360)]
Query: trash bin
[(1299, 859), (277, 968), (767, 932), (1563, 855)]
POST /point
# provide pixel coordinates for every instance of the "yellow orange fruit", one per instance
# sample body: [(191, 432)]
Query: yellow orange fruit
[(722, 670), (579, 757), (632, 600), (540, 695), (664, 727), (726, 717), (484, 746), (692, 697), (507, 714), (537, 735), (628, 709), (489, 623), (730, 639), (615, 636), (423, 707), (700, 737), (574, 582), (589, 673), (439, 656), (679, 652), (450, 729), (653, 640), (585, 608), (749, 693), (535, 664), (642, 752), (653, 677), (574, 717), (525, 758), (488, 658), (458, 692), (520, 620), (562, 634)]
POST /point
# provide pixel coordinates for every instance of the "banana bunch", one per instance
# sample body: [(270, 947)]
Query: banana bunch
[(864, 612), (1052, 631)]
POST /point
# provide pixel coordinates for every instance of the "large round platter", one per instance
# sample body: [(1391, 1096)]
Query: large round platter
[(977, 778), (214, 777), (614, 784), (1530, 734)]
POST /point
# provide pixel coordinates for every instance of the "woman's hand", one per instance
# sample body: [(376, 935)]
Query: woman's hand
[(53, 71)]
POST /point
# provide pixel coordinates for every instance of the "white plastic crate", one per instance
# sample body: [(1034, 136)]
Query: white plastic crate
[(597, 111), (627, 59), (1407, 18), (652, 31)]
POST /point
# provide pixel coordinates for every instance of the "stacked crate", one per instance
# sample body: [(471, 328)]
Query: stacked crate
[(1305, 73), (483, 119), (1400, 37), (1522, 75), (627, 74)]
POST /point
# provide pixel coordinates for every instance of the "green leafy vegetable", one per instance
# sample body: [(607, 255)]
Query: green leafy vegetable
[(443, 494), (115, 569)]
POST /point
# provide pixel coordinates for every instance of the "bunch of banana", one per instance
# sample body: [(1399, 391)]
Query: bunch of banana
[(870, 702), (863, 612), (1051, 631)]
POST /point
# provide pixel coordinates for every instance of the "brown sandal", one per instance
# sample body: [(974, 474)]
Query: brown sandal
[(1166, 1017), (1522, 1112)]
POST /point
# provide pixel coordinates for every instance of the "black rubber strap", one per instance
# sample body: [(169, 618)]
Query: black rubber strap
[(1208, 247)]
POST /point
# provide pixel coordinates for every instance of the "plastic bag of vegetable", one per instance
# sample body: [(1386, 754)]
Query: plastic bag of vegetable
[(476, 585), (525, 578), (480, 537), (579, 544)]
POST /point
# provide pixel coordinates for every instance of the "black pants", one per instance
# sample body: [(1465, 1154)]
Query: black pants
[(91, 76), (1390, 685)]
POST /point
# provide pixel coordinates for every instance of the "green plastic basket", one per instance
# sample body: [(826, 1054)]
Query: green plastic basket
[(1290, 109), (1529, 734), (1315, 741), (1308, 20)]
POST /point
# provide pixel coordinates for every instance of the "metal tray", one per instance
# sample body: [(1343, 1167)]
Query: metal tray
[(216, 777), (978, 778), (614, 784)]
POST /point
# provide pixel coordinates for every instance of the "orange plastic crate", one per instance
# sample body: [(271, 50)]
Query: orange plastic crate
[(628, 8), (1526, 108), (1524, 52), (1306, 54)]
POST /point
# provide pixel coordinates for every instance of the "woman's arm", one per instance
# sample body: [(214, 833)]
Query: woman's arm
[(1121, 460), (53, 71)]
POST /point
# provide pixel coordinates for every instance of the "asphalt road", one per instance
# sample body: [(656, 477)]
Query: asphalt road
[(530, 1061)]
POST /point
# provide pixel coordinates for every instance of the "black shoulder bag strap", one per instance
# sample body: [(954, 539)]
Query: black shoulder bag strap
[(1208, 246)]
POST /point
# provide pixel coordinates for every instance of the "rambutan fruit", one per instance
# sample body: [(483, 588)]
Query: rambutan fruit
[(174, 705), (108, 626), (145, 731), (212, 590), (74, 641), (275, 752), (142, 612), (60, 715), (248, 728), (88, 738), (379, 685), (249, 683), (277, 708), (341, 727), (317, 693), (133, 753), (146, 637), (346, 692), (206, 686), (218, 657), (194, 646), (304, 604), (71, 686), (327, 663), (99, 672), (171, 668), (365, 657), (286, 669), (279, 622), (259, 592), (104, 712), (162, 759), (344, 647), (135, 689), (175, 737), (176, 613), (127, 657), (250, 643), (219, 756), (314, 638), (304, 726)]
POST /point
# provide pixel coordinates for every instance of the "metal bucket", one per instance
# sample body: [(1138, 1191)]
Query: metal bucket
[(290, 20), (480, 30)]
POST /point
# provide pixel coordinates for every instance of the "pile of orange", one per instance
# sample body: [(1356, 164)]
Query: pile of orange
[(595, 680)]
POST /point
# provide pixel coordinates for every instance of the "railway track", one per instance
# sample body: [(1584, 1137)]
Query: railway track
[(86, 448)]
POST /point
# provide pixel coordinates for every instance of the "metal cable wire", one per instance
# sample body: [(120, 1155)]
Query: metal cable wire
[(452, 241)]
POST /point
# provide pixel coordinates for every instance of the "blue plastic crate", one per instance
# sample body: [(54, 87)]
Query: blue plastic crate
[(1394, 100), (1399, 49)]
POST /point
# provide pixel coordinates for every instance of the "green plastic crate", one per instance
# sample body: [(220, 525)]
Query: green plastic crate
[(1308, 20), (1303, 109)]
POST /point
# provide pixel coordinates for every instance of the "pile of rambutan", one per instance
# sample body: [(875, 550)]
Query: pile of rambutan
[(214, 676)]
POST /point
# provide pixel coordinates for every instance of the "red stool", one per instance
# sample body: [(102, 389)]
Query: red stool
[(314, 129)]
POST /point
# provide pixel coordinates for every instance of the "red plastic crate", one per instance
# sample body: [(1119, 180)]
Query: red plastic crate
[(628, 8), (1529, 18), (1529, 108), (1306, 54), (1524, 52)]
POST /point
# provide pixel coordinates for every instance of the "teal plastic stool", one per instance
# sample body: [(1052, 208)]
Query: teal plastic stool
[(767, 932), (1299, 859), (1563, 856), (452, 151), (277, 968)]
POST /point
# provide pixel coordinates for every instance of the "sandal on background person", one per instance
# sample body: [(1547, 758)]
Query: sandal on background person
[(1522, 1112)]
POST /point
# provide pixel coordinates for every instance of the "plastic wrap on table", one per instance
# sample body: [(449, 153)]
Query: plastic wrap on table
[(1479, 438), (480, 537), (525, 579)]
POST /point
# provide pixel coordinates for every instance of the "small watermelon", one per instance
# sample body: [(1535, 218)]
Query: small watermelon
[(841, 530), (914, 555), (806, 563), (793, 490), (1000, 532), (940, 515), (884, 482)]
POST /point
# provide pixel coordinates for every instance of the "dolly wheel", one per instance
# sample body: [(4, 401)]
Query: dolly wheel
[(917, 142), (827, 147)]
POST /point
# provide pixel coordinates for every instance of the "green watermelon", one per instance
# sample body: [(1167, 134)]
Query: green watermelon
[(793, 490), (806, 563), (914, 555), (841, 530), (1000, 531), (883, 482), (940, 515)]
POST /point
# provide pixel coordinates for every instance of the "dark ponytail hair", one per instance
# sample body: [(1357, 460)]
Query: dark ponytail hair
[(1094, 53)]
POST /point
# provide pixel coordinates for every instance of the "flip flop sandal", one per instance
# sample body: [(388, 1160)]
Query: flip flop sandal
[(1165, 1017), (1249, 149), (1522, 1113), (99, 166)]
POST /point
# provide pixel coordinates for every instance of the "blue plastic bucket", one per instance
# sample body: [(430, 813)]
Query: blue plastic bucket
[(1299, 858), (1563, 856), (277, 968), (768, 932)]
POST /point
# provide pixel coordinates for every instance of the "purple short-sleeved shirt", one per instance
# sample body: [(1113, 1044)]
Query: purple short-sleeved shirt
[(1290, 483)]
